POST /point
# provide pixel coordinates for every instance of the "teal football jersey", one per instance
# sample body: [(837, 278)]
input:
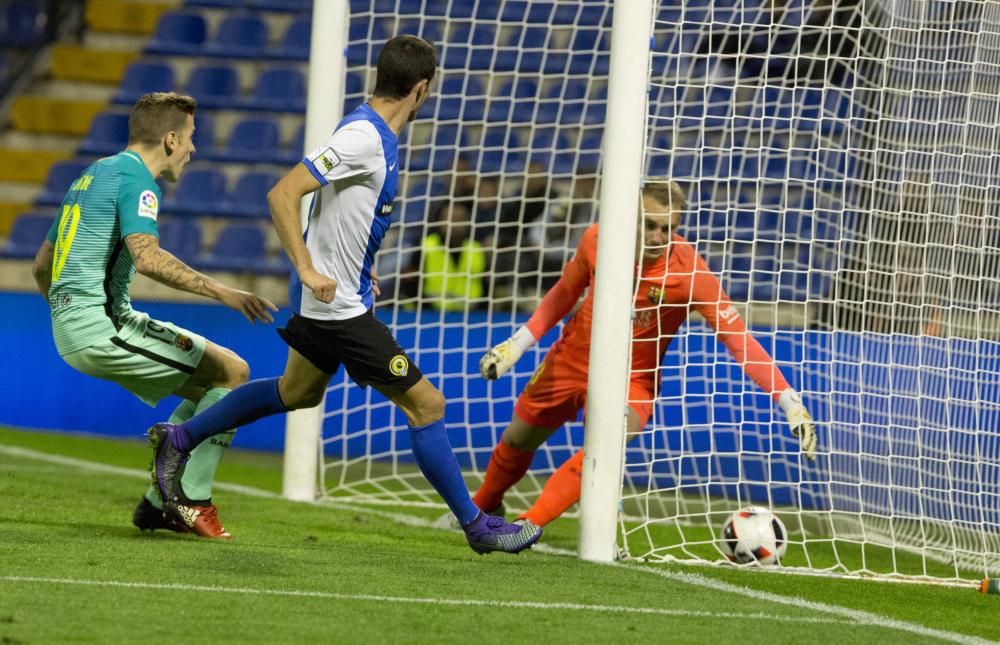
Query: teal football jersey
[(92, 268)]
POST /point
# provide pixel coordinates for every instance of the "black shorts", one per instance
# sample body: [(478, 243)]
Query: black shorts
[(363, 345)]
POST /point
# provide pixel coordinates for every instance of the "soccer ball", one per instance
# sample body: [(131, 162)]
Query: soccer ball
[(754, 534)]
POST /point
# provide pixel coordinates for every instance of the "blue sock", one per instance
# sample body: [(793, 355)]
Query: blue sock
[(245, 404), (438, 464)]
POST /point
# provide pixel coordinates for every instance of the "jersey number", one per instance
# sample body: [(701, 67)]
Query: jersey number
[(65, 233)]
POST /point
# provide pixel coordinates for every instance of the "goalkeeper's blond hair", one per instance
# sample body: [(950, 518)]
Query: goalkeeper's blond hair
[(666, 191)]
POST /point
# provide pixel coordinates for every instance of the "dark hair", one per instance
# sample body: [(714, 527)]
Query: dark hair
[(403, 62), (156, 114)]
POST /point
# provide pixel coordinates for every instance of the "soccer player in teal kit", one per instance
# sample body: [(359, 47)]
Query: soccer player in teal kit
[(104, 232)]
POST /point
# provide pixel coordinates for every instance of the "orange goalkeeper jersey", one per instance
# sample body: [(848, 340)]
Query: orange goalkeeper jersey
[(679, 282)]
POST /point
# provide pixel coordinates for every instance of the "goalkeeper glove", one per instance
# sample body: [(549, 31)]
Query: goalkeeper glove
[(496, 362), (799, 421)]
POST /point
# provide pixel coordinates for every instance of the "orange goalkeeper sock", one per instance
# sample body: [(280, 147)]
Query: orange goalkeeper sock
[(560, 492), (507, 466)]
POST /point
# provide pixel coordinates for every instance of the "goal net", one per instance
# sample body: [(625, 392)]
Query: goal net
[(839, 161)]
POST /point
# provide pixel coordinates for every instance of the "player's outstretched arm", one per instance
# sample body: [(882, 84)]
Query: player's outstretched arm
[(712, 301), (41, 268), (554, 306), (153, 262), (285, 200)]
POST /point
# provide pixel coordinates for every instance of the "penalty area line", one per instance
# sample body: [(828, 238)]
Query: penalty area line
[(455, 602)]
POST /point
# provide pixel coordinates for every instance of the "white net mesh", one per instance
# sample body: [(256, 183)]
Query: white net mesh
[(840, 164)]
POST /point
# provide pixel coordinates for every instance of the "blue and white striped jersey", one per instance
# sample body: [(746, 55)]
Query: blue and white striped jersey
[(358, 167)]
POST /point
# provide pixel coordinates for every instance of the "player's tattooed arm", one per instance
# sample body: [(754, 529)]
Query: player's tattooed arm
[(41, 268), (162, 266)]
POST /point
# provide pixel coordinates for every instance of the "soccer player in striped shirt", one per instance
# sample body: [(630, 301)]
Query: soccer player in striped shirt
[(353, 177), (105, 232), (673, 281)]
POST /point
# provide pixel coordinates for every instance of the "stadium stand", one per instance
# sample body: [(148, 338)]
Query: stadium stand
[(61, 175), (27, 235), (108, 134), (179, 33), (182, 237), (142, 77), (239, 36), (544, 101), (239, 247)]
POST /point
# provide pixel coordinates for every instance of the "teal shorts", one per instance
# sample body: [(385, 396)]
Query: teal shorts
[(149, 358)]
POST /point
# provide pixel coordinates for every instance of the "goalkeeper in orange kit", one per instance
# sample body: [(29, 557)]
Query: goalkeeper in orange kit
[(673, 281)]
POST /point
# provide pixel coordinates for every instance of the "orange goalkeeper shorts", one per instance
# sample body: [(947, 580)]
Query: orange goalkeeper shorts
[(557, 392)]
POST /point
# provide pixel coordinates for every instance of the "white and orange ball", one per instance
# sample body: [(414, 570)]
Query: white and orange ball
[(754, 534)]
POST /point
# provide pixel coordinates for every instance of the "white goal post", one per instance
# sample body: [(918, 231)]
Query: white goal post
[(841, 165)]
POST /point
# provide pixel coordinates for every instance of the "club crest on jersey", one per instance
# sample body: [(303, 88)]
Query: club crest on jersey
[(655, 295), (184, 343), (399, 365), (148, 204), (328, 159)]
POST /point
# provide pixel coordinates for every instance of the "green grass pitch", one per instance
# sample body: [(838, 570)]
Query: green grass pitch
[(72, 568)]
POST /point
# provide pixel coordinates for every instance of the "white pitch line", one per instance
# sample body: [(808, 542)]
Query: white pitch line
[(854, 615), (456, 602)]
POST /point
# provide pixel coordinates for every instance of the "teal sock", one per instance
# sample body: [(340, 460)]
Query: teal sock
[(199, 472), (181, 413)]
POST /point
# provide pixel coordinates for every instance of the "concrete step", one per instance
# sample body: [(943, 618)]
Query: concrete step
[(29, 165), (76, 63), (19, 191), (125, 16), (54, 115), (37, 141)]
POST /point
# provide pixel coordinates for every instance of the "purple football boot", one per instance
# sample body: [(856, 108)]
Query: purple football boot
[(487, 534), (167, 458)]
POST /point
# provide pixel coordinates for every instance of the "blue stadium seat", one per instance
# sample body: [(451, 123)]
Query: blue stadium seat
[(108, 135), (296, 6), (278, 90), (502, 137), (461, 96), (289, 6), (61, 175), (519, 12), (515, 102), (182, 237), (249, 197), (27, 235), (199, 192), (179, 33), (548, 139), (364, 37), (292, 152), (22, 24), (204, 135), (390, 6), (143, 77), (295, 43), (355, 84), (240, 36), (255, 140), (214, 86), (429, 28), (239, 247)]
